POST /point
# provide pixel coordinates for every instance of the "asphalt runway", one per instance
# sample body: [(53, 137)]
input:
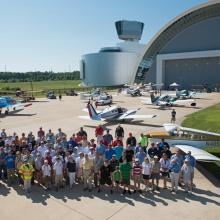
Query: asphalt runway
[(75, 204)]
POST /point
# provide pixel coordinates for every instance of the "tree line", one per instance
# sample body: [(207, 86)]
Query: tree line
[(38, 76)]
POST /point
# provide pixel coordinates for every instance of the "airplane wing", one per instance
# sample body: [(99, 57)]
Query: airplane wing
[(183, 101), (84, 117), (131, 114), (139, 116), (172, 127), (200, 155), (86, 110)]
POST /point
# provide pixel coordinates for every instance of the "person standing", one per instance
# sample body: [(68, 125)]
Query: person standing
[(174, 175), (131, 140), (155, 175), (187, 172), (192, 163), (10, 165), (58, 172), (105, 176), (26, 170), (71, 170), (87, 172), (146, 172), (119, 132), (137, 170), (173, 116), (98, 162), (108, 137), (46, 171), (164, 169), (125, 169), (143, 140), (99, 132)]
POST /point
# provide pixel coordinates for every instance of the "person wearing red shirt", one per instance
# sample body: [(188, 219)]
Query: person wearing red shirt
[(117, 141), (99, 133)]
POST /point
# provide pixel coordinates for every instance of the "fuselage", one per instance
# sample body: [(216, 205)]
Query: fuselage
[(195, 140)]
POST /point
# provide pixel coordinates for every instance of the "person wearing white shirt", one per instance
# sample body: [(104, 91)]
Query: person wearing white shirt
[(146, 172), (46, 170), (58, 170)]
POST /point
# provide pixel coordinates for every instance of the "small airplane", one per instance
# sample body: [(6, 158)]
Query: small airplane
[(104, 99), (8, 103), (167, 100), (113, 113), (189, 139), (134, 92), (185, 94)]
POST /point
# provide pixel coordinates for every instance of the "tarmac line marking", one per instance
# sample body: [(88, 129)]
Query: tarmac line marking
[(67, 206), (116, 212)]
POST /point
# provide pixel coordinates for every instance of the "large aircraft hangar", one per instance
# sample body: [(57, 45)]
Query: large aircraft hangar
[(185, 51)]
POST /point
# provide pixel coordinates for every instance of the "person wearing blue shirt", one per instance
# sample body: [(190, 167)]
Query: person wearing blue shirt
[(178, 157), (141, 155), (192, 162), (72, 142), (10, 165), (118, 151), (174, 174), (100, 149), (109, 152)]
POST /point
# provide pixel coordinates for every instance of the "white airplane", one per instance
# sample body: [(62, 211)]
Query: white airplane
[(189, 139), (113, 113), (167, 100)]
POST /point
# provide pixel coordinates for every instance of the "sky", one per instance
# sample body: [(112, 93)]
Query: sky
[(45, 35)]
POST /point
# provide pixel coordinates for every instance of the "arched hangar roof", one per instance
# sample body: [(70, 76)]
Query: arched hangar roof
[(178, 24)]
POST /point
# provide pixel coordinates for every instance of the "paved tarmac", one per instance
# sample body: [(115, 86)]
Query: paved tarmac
[(75, 204)]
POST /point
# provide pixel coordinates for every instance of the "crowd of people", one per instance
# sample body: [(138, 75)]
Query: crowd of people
[(123, 164)]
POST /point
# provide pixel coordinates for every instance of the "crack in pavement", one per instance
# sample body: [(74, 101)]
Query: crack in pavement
[(116, 212), (69, 207)]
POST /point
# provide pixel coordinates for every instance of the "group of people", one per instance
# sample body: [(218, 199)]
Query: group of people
[(53, 161)]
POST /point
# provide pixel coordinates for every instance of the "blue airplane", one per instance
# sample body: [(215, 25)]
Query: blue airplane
[(7, 104)]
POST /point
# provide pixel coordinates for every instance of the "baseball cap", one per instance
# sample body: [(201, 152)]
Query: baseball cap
[(155, 157)]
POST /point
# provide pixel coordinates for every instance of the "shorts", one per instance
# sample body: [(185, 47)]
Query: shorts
[(155, 176), (137, 178), (164, 174), (146, 177), (104, 181), (125, 181)]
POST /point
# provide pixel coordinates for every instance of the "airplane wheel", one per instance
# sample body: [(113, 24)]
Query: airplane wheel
[(14, 109), (6, 112), (193, 104)]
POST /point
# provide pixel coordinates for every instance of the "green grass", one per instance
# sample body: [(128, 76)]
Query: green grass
[(207, 119), (42, 85)]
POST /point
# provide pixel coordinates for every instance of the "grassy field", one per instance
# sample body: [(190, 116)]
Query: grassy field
[(207, 119), (42, 85)]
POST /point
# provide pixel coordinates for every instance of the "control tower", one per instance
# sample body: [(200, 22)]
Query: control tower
[(115, 66)]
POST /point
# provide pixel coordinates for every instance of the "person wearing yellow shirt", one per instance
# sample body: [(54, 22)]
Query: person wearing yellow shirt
[(26, 171)]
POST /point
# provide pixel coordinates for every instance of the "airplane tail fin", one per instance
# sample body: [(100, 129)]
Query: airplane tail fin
[(92, 112)]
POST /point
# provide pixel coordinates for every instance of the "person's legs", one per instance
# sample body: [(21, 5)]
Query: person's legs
[(90, 181), (176, 181), (96, 179), (71, 178), (172, 178), (85, 178)]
